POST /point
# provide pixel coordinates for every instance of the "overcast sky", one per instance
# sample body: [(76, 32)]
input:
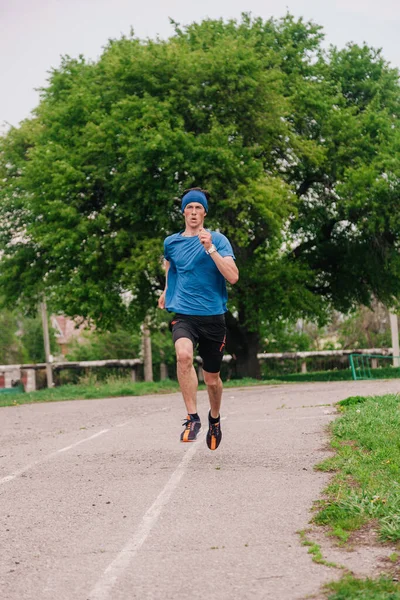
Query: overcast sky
[(35, 33)]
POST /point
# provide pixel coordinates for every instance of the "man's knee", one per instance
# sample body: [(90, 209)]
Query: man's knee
[(211, 380), (184, 357)]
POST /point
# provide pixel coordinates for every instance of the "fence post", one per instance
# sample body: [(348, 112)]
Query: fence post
[(394, 328), (30, 385), (45, 323), (11, 375)]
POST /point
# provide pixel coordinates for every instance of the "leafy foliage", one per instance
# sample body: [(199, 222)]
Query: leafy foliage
[(21, 338), (365, 328), (32, 340), (283, 336), (11, 350), (105, 345), (298, 148)]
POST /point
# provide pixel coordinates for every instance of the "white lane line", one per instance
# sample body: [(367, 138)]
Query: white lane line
[(49, 456), (80, 442), (154, 411), (16, 474), (118, 566), (8, 478)]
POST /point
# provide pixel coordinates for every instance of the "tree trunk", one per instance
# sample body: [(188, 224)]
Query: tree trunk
[(244, 346), (146, 352), (163, 366)]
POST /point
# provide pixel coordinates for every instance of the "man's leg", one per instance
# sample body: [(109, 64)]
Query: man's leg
[(211, 351), (214, 389), (187, 377)]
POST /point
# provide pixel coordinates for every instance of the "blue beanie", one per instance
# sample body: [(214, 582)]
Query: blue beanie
[(194, 196)]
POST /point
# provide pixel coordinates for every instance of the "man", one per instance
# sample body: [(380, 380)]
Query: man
[(197, 263)]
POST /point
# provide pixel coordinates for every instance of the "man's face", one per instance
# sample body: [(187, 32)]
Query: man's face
[(194, 214)]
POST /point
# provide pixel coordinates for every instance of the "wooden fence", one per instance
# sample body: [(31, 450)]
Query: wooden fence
[(26, 373)]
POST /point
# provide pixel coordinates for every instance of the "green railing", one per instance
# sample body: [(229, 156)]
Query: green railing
[(18, 389), (373, 366)]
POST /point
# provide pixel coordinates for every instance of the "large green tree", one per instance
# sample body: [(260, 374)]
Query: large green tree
[(297, 147)]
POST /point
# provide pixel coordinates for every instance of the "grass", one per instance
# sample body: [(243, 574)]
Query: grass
[(350, 588), (365, 490), (338, 375), (315, 550), (113, 387), (366, 486)]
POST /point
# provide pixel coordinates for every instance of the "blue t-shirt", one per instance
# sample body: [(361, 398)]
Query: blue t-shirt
[(195, 286)]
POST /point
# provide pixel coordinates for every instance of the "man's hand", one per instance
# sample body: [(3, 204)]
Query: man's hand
[(205, 238), (161, 301)]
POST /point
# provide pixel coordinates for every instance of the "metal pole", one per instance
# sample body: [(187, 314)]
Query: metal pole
[(353, 370), (46, 338), (394, 328)]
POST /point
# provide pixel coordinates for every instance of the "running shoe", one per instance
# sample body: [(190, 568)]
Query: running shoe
[(214, 434), (192, 429)]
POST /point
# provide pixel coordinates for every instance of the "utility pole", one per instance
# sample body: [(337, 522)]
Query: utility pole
[(394, 328), (46, 338)]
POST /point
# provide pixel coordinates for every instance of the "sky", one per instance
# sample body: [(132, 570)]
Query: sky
[(34, 34)]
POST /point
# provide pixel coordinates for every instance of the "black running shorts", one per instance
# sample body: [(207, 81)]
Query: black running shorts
[(208, 335)]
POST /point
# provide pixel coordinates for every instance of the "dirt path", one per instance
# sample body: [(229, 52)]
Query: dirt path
[(99, 500)]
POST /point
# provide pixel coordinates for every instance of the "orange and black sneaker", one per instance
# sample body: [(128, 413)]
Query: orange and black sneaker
[(214, 433), (192, 429)]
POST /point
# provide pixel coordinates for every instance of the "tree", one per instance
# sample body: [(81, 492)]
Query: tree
[(11, 350), (21, 338), (32, 339), (348, 225), (95, 345), (122, 343), (366, 328), (297, 147)]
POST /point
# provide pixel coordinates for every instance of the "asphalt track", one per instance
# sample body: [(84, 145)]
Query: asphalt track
[(100, 501)]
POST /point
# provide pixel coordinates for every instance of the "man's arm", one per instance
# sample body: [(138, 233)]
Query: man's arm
[(161, 300), (225, 264)]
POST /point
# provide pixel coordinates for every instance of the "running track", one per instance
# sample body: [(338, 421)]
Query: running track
[(100, 501)]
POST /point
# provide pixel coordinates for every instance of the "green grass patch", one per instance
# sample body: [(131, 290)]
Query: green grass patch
[(365, 489), (366, 486), (315, 550), (114, 387), (338, 375), (350, 588)]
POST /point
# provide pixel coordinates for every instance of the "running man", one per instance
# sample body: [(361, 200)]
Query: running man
[(197, 263)]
